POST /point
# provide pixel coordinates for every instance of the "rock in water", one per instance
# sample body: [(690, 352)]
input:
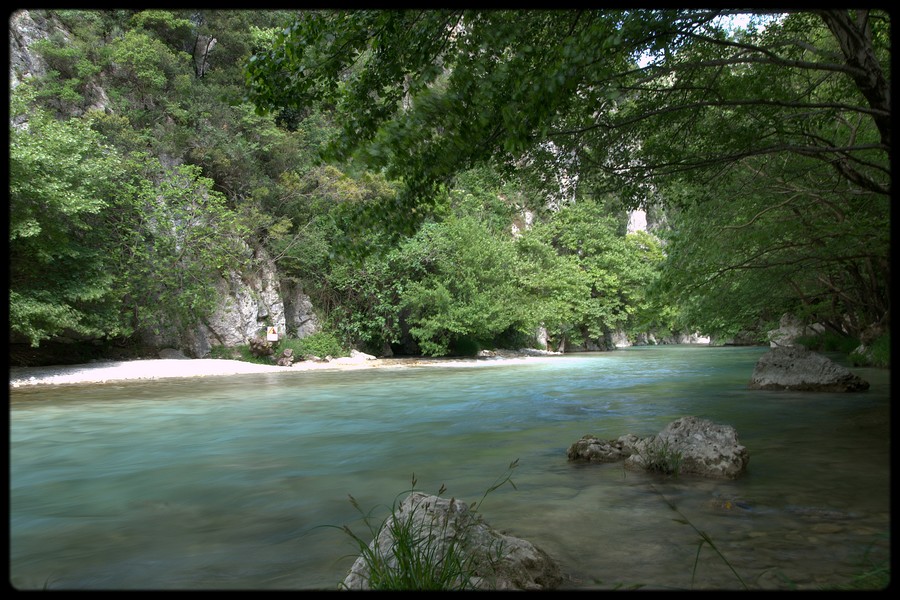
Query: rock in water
[(799, 369), (496, 561), (686, 445)]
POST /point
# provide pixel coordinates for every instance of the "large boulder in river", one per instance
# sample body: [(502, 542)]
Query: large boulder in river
[(446, 528), (796, 368), (686, 445), (693, 445)]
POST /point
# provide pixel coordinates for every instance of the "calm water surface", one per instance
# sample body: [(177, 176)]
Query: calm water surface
[(231, 482)]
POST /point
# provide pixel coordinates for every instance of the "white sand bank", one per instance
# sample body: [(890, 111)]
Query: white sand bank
[(105, 372)]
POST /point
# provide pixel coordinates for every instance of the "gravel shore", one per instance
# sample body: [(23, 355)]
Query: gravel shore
[(105, 372)]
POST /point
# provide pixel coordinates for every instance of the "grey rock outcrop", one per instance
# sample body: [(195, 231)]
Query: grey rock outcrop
[(286, 358), (619, 339), (247, 305), (790, 328), (687, 445), (498, 561), (25, 29), (299, 317), (704, 448), (799, 369)]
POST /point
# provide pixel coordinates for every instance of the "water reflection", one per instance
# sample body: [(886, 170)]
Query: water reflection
[(226, 482)]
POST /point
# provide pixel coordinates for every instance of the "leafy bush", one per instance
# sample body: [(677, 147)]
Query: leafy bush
[(881, 351), (876, 355), (829, 341), (469, 291), (320, 344)]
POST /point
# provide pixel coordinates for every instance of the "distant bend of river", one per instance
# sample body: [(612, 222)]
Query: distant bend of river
[(233, 482)]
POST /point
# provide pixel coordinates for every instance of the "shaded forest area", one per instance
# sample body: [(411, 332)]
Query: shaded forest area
[(440, 182)]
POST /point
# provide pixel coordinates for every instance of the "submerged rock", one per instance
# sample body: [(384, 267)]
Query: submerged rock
[(591, 449), (799, 369), (686, 445)]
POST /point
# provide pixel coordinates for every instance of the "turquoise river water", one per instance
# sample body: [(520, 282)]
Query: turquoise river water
[(233, 482)]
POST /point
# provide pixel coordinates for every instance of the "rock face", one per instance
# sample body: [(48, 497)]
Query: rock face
[(796, 368), (29, 26), (247, 305), (686, 445), (498, 561), (24, 30), (789, 329), (619, 339)]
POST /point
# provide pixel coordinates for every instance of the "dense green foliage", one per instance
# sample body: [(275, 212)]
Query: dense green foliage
[(442, 182), (785, 123), (123, 215), (62, 180), (827, 250), (101, 243)]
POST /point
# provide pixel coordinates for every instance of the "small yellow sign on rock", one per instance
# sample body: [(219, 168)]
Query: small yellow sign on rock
[(272, 334)]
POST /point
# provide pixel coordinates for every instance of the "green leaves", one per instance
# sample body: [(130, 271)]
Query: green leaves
[(768, 148), (182, 239), (590, 278), (147, 64), (468, 290), (426, 95), (62, 186), (747, 256)]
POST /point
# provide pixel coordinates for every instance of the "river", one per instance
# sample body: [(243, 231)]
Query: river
[(243, 482)]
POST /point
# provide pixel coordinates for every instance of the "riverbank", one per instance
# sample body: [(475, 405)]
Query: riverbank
[(149, 369)]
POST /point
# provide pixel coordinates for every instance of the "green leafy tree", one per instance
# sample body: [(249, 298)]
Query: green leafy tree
[(63, 183), (426, 93), (828, 254), (554, 288), (181, 241), (450, 289), (639, 103), (366, 297), (468, 295), (106, 239), (645, 259), (592, 278), (176, 32), (71, 68), (797, 222), (148, 69)]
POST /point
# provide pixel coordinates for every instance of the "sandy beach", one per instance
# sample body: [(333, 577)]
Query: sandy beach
[(147, 369)]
